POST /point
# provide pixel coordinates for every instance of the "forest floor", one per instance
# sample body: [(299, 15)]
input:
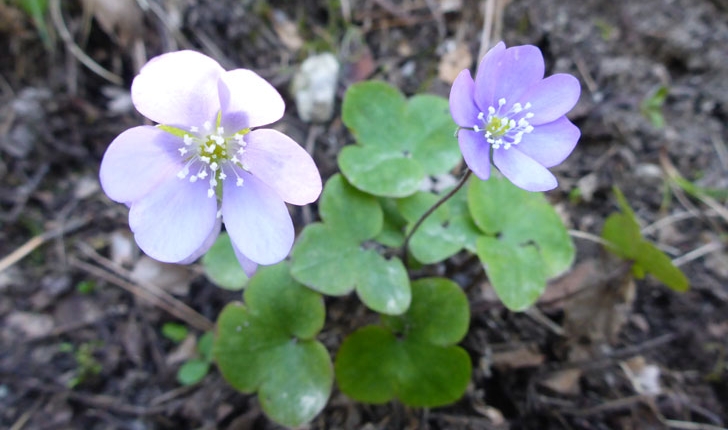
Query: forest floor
[(81, 347)]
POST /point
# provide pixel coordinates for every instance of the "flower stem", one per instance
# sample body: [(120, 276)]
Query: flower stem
[(434, 207)]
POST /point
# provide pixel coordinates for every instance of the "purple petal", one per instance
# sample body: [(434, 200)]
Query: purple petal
[(523, 171), (173, 222), (283, 165), (552, 98), (257, 220), (206, 245), (476, 152), (512, 72), (248, 100), (485, 79), (137, 161), (178, 89), (462, 105), (551, 143), (249, 266)]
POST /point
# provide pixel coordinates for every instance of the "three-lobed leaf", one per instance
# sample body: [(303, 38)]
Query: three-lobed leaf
[(268, 345), (525, 243), (411, 357), (338, 255), (399, 141)]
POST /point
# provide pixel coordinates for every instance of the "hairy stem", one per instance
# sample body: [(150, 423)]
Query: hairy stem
[(429, 211)]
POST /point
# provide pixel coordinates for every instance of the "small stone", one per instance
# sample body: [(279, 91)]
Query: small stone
[(314, 87)]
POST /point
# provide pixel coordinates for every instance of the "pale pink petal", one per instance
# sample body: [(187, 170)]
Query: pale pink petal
[(476, 152), (522, 170), (206, 245), (487, 75), (551, 98), (257, 220), (249, 266), (248, 100), (172, 222), (137, 161), (178, 89), (462, 105), (283, 165), (551, 143)]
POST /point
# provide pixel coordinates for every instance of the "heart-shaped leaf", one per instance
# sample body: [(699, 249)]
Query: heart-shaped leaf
[(411, 357), (337, 256), (267, 345), (525, 241), (399, 141)]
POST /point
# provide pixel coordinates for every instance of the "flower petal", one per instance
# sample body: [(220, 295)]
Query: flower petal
[(552, 98), (485, 79), (173, 222), (206, 245), (551, 143), (283, 165), (462, 105), (249, 266), (523, 171), (512, 72), (178, 89), (476, 152), (257, 220), (137, 161), (248, 100)]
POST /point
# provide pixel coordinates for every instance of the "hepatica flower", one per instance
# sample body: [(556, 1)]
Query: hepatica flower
[(207, 163), (511, 114)]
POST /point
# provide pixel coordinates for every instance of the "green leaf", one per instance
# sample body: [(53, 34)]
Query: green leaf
[(624, 238), (349, 211), (659, 265), (222, 267), (392, 234), (651, 106), (411, 357), (516, 271), (174, 332), (37, 10), (267, 345), (204, 345), (193, 371), (338, 256), (399, 141), (522, 226), (444, 233)]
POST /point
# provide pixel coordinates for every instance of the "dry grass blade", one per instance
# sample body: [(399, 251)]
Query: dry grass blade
[(120, 277)]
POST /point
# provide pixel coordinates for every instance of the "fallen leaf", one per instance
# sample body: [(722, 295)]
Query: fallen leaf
[(519, 357), (456, 58), (120, 19), (564, 382), (286, 30), (170, 277)]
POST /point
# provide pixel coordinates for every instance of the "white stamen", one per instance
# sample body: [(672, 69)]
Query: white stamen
[(187, 139), (194, 129), (182, 151), (213, 166), (207, 125), (210, 193), (193, 178), (239, 182), (501, 102), (202, 174)]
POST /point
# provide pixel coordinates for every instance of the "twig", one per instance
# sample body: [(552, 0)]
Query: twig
[(588, 236), (697, 253), (39, 240), (57, 17), (151, 293)]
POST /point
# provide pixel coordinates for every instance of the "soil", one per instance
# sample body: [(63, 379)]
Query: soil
[(81, 348)]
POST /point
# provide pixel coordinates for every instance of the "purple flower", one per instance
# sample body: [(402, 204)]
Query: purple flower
[(512, 113), (206, 164)]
